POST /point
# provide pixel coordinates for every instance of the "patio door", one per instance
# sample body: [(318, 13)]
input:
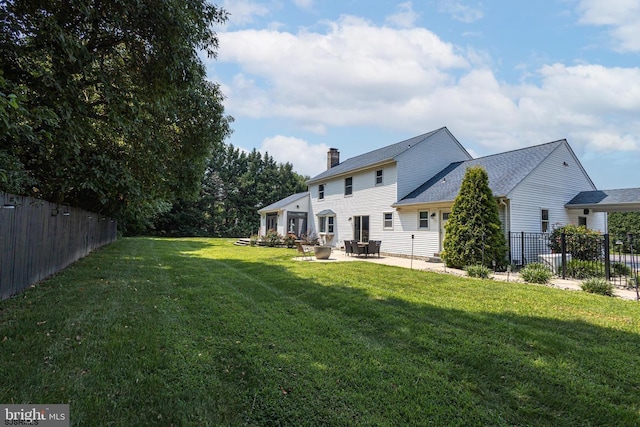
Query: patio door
[(361, 228), (272, 221), (297, 223), (444, 217)]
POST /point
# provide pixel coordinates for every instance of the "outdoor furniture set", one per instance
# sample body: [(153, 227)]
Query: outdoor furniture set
[(353, 247)]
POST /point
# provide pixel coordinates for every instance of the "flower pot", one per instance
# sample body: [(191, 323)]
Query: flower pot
[(322, 252)]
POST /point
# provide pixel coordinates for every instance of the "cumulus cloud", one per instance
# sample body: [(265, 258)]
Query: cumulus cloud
[(405, 17), (621, 17), (300, 153), (337, 77), (243, 12), (355, 73)]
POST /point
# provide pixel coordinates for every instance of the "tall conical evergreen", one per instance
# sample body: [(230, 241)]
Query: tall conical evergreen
[(473, 233)]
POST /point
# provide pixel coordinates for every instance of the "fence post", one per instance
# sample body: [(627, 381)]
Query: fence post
[(607, 258), (522, 248), (510, 247), (563, 249)]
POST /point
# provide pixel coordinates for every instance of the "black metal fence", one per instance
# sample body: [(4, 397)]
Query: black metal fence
[(38, 239), (615, 258)]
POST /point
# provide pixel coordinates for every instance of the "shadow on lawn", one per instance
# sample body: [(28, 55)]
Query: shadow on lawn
[(247, 337), (456, 366)]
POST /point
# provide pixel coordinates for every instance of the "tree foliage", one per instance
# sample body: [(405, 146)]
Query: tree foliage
[(235, 185), (104, 105), (581, 242), (621, 224), (473, 233)]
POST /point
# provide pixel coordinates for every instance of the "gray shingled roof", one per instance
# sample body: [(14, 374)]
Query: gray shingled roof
[(284, 202), (624, 199), (374, 157), (505, 170)]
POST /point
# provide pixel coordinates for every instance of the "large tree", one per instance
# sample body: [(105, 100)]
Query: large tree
[(105, 104), (473, 234), (235, 185)]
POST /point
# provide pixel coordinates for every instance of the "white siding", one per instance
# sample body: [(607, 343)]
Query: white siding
[(367, 199), (300, 205), (550, 186), (425, 242), (417, 165)]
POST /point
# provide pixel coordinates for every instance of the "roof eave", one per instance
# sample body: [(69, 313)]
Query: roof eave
[(613, 207)]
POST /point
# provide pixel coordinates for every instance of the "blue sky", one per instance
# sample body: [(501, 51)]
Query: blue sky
[(301, 76)]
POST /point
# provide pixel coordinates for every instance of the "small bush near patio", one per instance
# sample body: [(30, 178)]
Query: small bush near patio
[(598, 286), (272, 238), (290, 240), (479, 271), (536, 273), (579, 269)]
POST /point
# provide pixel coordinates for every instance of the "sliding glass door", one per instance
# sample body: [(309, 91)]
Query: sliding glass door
[(361, 228)]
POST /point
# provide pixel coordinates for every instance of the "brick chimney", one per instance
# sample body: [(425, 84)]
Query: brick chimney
[(333, 157)]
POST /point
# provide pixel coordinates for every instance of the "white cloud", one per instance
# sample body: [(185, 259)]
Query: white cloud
[(306, 158), (359, 74), (622, 17), (337, 77), (405, 17), (243, 12), (460, 11)]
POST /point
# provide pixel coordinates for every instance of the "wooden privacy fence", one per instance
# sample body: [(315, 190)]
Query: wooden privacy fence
[(39, 238)]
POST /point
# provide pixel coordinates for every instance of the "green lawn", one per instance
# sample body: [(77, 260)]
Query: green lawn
[(200, 332)]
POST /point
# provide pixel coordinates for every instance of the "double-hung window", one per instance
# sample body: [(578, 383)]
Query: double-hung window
[(379, 177), (321, 191), (544, 220), (327, 224), (348, 186), (388, 220), (423, 219)]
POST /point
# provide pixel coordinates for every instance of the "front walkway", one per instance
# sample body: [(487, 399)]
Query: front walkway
[(417, 264)]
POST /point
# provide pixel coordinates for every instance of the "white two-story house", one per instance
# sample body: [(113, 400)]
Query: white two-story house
[(402, 194)]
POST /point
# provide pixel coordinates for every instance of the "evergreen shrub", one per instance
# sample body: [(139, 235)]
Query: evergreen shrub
[(473, 232)]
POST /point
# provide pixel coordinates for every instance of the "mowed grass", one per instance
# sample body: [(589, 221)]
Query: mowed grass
[(200, 332)]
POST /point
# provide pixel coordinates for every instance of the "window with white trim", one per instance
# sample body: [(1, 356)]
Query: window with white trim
[(326, 224), (321, 191), (348, 186), (544, 220), (379, 177), (423, 220), (388, 220)]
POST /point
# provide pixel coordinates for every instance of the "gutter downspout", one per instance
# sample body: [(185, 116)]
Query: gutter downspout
[(506, 216)]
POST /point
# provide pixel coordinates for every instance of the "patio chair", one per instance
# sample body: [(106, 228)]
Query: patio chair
[(374, 247), (305, 252), (358, 249), (348, 247)]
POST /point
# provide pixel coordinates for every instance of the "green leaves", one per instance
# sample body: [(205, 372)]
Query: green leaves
[(111, 107), (473, 232)]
